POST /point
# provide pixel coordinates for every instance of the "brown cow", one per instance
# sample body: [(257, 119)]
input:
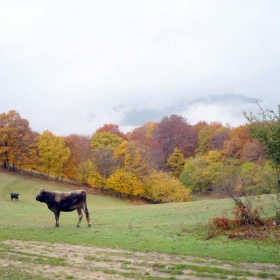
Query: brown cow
[(65, 202)]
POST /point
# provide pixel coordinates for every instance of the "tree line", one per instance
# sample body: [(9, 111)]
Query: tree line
[(163, 161)]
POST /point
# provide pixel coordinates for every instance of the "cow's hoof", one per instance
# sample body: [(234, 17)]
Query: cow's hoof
[(78, 225), (89, 225)]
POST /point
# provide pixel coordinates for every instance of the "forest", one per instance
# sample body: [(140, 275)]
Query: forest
[(165, 161)]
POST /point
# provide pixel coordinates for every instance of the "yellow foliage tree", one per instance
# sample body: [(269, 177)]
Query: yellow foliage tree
[(176, 162), (132, 159), (52, 153), (213, 156), (105, 139), (125, 182), (87, 174), (160, 187)]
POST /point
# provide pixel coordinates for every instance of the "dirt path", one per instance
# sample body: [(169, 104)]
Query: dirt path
[(63, 261)]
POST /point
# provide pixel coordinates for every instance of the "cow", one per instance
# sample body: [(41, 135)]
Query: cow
[(14, 196), (65, 202)]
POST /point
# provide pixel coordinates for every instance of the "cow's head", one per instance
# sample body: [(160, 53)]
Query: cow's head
[(40, 195)]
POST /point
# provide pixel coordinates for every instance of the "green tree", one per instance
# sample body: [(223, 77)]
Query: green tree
[(202, 172), (176, 162), (265, 178), (191, 176), (237, 182), (266, 128)]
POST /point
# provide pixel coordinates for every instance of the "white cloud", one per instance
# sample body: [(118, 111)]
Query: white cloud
[(64, 61)]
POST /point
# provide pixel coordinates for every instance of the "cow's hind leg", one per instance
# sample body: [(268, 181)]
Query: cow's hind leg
[(80, 213)]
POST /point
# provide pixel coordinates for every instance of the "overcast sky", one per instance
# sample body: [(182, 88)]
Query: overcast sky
[(72, 66)]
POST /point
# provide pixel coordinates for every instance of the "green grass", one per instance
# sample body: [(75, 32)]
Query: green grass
[(176, 228), (13, 272)]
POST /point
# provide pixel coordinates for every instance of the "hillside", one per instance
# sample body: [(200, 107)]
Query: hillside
[(179, 228)]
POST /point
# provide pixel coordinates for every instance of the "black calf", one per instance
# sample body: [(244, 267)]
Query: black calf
[(14, 196)]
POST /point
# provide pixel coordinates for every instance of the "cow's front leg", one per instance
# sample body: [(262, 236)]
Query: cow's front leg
[(56, 215), (80, 213)]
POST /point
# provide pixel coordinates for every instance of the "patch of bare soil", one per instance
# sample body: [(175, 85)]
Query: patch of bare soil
[(64, 261)]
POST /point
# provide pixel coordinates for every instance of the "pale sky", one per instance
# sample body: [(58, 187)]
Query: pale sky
[(72, 66)]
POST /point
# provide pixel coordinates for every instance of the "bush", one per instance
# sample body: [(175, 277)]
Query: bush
[(222, 222)]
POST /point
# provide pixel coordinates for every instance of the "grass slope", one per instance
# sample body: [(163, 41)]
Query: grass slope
[(177, 228)]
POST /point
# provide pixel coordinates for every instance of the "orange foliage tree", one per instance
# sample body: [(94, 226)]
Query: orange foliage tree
[(17, 141), (80, 152), (143, 136), (111, 128), (132, 168)]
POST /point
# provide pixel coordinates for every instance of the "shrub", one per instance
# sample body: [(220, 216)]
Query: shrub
[(222, 222)]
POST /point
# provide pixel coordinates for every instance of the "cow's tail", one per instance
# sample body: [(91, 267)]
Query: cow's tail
[(87, 212)]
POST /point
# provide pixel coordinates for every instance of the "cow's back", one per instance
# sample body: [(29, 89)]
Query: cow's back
[(70, 201)]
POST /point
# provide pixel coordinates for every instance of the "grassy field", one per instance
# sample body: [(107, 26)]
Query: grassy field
[(177, 228)]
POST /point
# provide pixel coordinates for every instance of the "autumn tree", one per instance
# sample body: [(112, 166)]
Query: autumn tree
[(132, 168), (202, 172), (80, 152), (88, 175), (132, 159), (125, 182), (219, 138), (176, 162), (198, 126), (103, 145), (105, 139), (238, 138), (205, 138), (253, 151), (103, 159), (210, 137), (232, 148), (143, 137), (160, 187), (242, 133), (17, 141), (111, 128), (172, 132), (52, 153)]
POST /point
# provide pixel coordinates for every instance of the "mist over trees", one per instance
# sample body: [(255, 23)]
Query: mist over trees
[(166, 161)]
